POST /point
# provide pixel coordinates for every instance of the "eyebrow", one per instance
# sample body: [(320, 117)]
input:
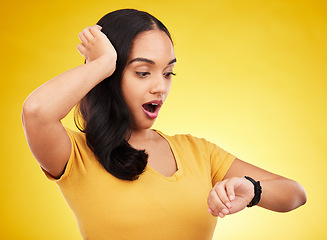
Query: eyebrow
[(138, 59)]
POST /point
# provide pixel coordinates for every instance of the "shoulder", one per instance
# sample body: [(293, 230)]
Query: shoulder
[(180, 137), (194, 144), (184, 141)]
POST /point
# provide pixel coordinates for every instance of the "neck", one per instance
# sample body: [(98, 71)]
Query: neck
[(140, 135)]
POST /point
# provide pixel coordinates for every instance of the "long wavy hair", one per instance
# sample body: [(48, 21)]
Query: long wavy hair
[(103, 114)]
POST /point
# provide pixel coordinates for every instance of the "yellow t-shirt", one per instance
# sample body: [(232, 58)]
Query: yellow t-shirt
[(152, 207)]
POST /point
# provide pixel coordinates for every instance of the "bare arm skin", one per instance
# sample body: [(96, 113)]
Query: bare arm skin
[(51, 102), (234, 193)]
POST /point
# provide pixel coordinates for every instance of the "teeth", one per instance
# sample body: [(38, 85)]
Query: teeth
[(154, 104)]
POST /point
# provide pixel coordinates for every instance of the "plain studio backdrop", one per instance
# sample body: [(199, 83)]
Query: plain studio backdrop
[(251, 77)]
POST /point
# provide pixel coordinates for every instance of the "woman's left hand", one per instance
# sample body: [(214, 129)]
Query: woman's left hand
[(230, 196)]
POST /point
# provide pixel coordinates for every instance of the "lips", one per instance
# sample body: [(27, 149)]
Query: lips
[(151, 109)]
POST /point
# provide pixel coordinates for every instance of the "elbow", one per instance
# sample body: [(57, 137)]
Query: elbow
[(32, 112), (299, 195), (297, 198), (302, 196)]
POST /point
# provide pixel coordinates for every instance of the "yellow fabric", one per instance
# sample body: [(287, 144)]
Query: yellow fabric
[(152, 207)]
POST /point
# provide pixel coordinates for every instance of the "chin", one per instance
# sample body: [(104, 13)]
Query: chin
[(147, 124)]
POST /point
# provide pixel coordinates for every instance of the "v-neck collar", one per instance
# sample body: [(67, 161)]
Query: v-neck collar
[(179, 173)]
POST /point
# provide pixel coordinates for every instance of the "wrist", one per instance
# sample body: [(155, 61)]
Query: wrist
[(257, 192), (103, 67)]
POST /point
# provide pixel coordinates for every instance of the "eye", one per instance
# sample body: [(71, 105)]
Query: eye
[(142, 74), (169, 74)]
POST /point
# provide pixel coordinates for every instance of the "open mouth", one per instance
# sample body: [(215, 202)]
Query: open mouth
[(151, 109)]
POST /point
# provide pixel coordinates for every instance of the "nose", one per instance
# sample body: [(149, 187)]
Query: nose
[(160, 85)]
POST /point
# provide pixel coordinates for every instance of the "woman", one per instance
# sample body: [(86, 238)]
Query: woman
[(122, 179)]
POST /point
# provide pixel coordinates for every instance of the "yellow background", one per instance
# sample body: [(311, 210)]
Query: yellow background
[(251, 77)]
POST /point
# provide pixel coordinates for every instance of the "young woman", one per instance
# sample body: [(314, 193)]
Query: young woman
[(122, 179)]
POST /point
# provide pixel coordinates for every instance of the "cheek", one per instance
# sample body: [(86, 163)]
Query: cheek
[(131, 91), (168, 88), (126, 87), (128, 95)]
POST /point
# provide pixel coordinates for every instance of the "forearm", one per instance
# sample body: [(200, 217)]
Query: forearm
[(53, 100), (278, 193), (281, 195)]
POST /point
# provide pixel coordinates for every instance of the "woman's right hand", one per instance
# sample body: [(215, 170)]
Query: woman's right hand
[(95, 46)]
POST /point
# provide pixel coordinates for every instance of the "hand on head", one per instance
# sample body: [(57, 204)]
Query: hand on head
[(95, 46)]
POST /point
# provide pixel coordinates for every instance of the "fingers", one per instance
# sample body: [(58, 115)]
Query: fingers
[(82, 38), (88, 34), (215, 205), (230, 190), (96, 45), (81, 49), (96, 31), (98, 27), (229, 196), (85, 36), (223, 194), (218, 201)]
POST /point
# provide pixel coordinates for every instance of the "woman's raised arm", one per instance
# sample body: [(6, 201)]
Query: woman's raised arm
[(51, 102)]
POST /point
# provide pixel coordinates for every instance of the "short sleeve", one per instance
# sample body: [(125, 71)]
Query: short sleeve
[(220, 161), (77, 164), (213, 160)]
